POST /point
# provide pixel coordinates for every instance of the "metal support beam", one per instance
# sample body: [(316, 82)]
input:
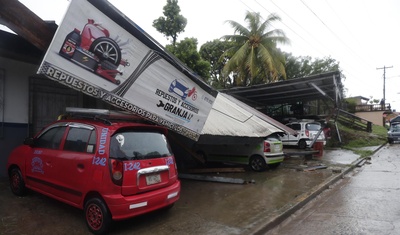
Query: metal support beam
[(25, 23), (320, 91)]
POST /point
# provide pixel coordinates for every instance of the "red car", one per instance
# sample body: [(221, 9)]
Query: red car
[(111, 169)]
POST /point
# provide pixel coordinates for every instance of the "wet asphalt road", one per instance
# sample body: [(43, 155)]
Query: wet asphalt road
[(203, 208), (364, 202)]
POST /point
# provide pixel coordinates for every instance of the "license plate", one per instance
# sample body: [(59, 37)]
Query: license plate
[(277, 148), (153, 179)]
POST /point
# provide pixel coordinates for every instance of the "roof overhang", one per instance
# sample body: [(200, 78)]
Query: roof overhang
[(17, 48), (321, 86)]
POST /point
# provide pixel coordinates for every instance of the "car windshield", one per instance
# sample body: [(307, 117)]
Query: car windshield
[(395, 127), (133, 145), (313, 126)]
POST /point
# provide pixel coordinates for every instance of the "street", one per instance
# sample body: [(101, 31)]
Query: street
[(366, 201), (203, 208)]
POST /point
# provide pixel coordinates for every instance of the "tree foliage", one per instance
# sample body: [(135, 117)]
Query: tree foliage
[(173, 23), (254, 57), (186, 51), (212, 52), (303, 66), (250, 56)]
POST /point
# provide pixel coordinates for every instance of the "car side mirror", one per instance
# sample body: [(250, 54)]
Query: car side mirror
[(29, 141)]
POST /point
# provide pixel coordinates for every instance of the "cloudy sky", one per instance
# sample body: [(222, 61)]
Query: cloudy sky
[(363, 35)]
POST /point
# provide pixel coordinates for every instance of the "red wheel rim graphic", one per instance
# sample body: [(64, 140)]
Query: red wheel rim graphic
[(94, 216)]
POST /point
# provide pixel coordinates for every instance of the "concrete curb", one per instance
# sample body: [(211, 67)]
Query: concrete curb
[(305, 198)]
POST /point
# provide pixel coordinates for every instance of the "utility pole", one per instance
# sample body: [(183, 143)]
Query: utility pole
[(384, 78)]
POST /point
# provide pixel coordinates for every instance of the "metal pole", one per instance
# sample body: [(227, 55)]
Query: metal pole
[(384, 78)]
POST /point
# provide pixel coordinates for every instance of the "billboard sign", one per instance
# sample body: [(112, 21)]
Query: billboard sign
[(102, 53)]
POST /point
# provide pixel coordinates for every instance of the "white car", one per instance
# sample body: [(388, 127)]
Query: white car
[(260, 154), (306, 132)]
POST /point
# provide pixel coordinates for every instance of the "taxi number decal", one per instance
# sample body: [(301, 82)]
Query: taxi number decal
[(131, 166), (99, 161), (169, 161)]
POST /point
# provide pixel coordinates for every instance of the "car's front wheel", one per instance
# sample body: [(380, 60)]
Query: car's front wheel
[(302, 144), (257, 163), (97, 215), (17, 183)]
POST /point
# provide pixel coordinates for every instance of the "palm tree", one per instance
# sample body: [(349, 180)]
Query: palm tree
[(255, 57)]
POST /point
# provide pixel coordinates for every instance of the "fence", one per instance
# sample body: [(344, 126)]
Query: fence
[(372, 107), (351, 120)]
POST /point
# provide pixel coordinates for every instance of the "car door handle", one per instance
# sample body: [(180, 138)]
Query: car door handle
[(81, 166)]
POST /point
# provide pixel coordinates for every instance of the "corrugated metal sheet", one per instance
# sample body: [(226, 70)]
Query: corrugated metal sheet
[(232, 117), (292, 90), (229, 118), (261, 115)]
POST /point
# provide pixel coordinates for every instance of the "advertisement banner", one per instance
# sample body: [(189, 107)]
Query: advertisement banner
[(117, 63)]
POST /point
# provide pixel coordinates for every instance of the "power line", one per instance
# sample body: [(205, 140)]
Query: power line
[(285, 23), (347, 67), (330, 30), (288, 25), (344, 25), (343, 69)]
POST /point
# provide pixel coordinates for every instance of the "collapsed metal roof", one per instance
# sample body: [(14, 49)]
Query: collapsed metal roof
[(320, 86), (231, 117)]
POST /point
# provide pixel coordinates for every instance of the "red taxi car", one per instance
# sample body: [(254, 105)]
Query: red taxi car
[(111, 169)]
